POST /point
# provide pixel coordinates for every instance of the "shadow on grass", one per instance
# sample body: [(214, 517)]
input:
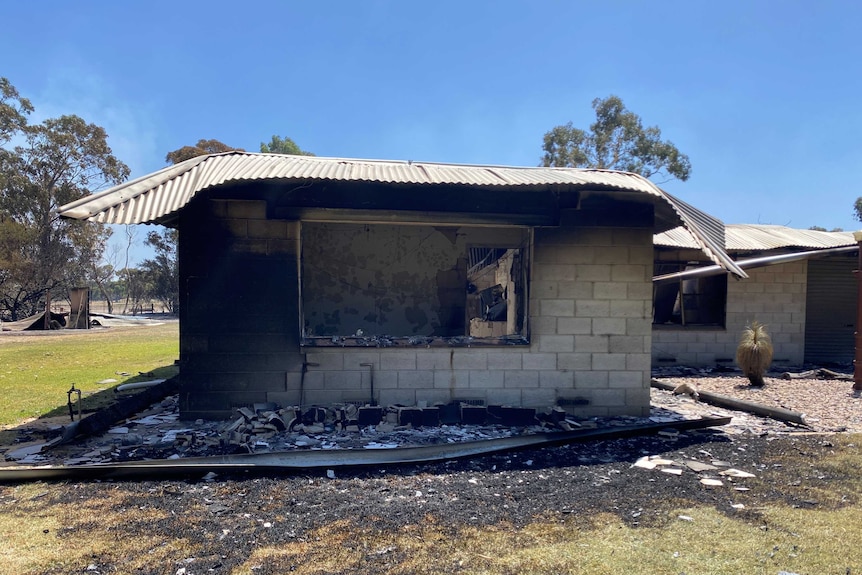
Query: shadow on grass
[(107, 397), (44, 427)]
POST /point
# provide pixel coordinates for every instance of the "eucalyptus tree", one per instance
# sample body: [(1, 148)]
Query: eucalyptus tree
[(52, 163), (617, 140), (278, 145)]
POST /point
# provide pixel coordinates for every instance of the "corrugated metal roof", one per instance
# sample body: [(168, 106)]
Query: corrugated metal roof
[(759, 237), (154, 197), (151, 197)]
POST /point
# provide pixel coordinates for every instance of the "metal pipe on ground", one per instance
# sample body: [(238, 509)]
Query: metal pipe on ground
[(720, 400), (101, 420), (138, 385), (338, 458)]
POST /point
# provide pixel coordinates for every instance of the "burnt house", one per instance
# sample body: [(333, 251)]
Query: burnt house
[(308, 280), (801, 285)]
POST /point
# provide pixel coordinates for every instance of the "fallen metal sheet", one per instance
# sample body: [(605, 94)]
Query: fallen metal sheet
[(337, 458)]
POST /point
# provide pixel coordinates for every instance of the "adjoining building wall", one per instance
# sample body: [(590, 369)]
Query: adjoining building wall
[(589, 325), (831, 310), (773, 295)]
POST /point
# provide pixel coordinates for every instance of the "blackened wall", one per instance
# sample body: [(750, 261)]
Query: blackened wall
[(239, 332), (395, 280)]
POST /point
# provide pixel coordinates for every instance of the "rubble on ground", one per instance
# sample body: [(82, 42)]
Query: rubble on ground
[(159, 433)]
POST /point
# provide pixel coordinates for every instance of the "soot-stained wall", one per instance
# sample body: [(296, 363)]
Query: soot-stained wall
[(396, 280)]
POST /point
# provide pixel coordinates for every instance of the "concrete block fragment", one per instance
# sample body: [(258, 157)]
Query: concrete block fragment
[(275, 420), (370, 415), (518, 416), (473, 414), (314, 415), (450, 413), (430, 416), (410, 416)]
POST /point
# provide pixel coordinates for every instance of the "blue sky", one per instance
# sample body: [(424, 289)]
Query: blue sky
[(762, 95)]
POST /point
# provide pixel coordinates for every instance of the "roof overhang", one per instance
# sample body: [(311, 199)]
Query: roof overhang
[(158, 197)]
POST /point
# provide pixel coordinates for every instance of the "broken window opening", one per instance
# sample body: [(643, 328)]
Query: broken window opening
[(390, 285), (494, 300), (698, 301)]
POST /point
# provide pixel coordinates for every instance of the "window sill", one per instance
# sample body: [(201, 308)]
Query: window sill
[(690, 327), (414, 341)]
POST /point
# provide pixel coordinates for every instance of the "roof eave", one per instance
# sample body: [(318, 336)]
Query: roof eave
[(173, 187)]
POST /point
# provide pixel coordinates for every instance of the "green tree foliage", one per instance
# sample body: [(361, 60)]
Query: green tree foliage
[(857, 209), (60, 160), (285, 146), (203, 147), (162, 272), (617, 140), (13, 110), (822, 229)]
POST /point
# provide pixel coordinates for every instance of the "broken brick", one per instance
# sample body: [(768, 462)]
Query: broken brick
[(473, 414), (430, 416), (370, 415), (518, 416), (410, 416)]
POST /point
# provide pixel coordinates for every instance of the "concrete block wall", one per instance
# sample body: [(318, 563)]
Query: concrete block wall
[(590, 328), (239, 327), (589, 321), (772, 295)]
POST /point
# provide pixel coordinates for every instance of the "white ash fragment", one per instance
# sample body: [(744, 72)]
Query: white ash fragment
[(736, 473)]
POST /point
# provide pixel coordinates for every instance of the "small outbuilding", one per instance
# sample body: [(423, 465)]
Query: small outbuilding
[(308, 280)]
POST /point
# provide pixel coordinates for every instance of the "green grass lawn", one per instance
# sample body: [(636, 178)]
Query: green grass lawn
[(37, 371)]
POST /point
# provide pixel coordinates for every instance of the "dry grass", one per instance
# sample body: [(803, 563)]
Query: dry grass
[(63, 528), (38, 532), (711, 543)]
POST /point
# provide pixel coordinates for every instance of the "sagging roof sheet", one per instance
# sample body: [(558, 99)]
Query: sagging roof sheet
[(759, 237), (150, 198)]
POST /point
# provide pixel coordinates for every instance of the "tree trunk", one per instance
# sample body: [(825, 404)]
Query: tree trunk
[(104, 294)]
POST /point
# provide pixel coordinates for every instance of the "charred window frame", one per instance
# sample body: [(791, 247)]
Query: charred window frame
[(390, 285), (700, 301)]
